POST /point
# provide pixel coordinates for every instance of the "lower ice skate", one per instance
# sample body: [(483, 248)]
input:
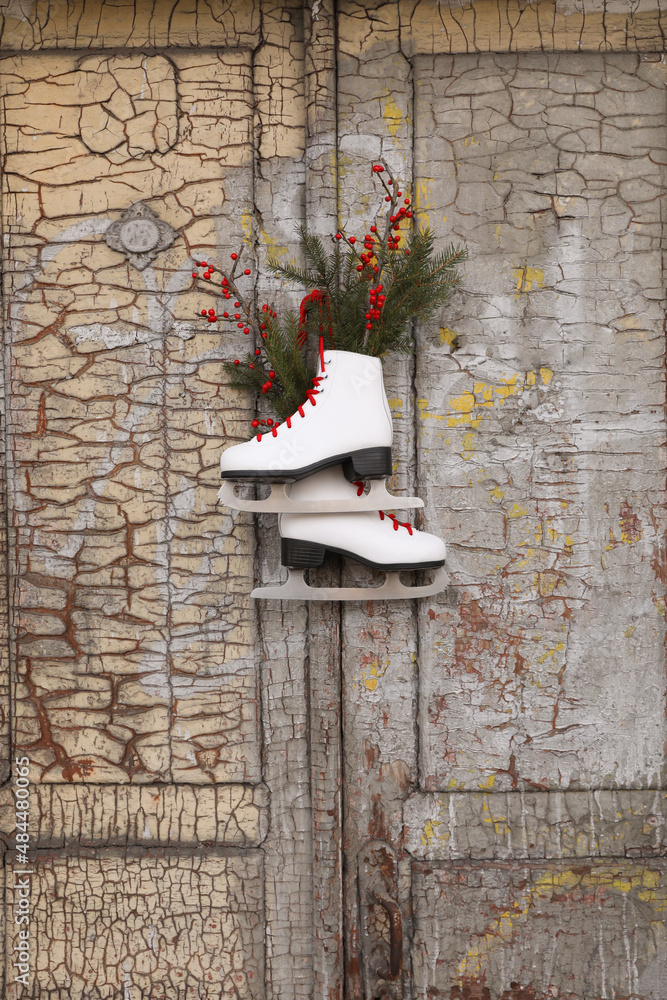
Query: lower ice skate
[(375, 539)]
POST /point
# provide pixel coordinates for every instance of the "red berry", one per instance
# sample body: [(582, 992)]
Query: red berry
[(338, 236), (194, 274), (272, 374), (399, 194), (251, 366), (203, 312), (237, 315), (374, 229), (240, 326), (226, 315), (211, 319), (264, 336), (369, 326), (376, 269), (247, 270), (262, 326), (353, 239), (207, 276), (224, 281), (409, 215), (407, 201), (257, 351), (236, 305), (237, 362), (270, 422), (407, 253), (255, 423), (360, 267), (387, 198), (211, 312), (203, 264), (234, 256), (378, 168), (246, 329)]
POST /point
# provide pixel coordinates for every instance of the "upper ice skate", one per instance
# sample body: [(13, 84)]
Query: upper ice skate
[(345, 420)]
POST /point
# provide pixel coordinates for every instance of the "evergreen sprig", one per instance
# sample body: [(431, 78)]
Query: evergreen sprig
[(415, 282)]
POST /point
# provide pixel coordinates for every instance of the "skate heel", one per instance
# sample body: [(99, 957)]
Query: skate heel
[(301, 555), (369, 463)]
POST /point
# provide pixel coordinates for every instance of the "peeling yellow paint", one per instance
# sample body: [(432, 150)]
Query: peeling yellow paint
[(528, 278), (496, 493), (422, 199), (546, 374), (372, 672), (392, 115), (435, 835), (468, 447), (500, 931), (551, 653), (517, 511), (448, 336), (273, 246)]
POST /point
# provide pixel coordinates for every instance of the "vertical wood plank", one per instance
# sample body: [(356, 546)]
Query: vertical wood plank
[(324, 618), (278, 209), (379, 639)]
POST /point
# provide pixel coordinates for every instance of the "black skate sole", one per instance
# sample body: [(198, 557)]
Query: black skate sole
[(367, 463), (297, 554)]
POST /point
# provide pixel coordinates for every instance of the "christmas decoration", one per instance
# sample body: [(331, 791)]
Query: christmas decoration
[(333, 425)]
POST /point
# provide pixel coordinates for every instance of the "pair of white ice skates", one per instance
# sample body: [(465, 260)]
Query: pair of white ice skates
[(317, 462)]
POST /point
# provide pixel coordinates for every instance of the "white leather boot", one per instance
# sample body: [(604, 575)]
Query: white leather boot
[(374, 538), (344, 421)]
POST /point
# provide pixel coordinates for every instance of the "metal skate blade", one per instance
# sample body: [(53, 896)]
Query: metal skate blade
[(296, 589), (279, 501)]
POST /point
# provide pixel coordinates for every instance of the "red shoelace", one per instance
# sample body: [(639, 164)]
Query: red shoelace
[(397, 524), (310, 395)]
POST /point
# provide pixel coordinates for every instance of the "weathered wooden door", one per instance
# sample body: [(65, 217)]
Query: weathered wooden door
[(459, 798)]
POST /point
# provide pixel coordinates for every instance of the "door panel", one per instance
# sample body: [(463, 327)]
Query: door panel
[(520, 932), (127, 670), (541, 422), (160, 924)]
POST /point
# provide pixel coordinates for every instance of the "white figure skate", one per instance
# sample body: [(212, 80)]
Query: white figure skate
[(344, 420), (375, 539)]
